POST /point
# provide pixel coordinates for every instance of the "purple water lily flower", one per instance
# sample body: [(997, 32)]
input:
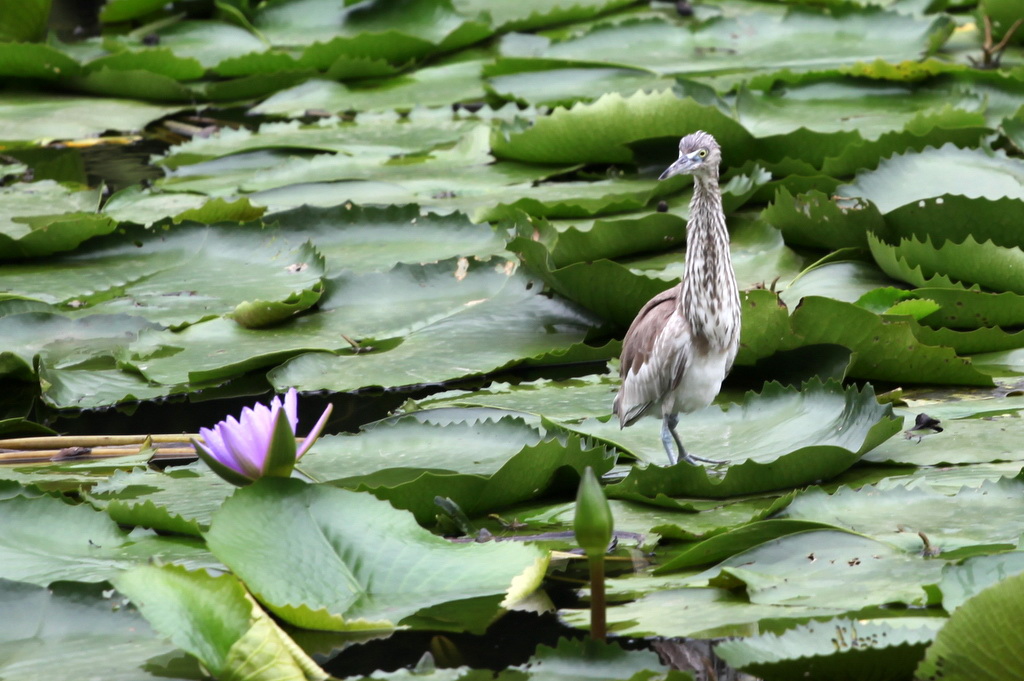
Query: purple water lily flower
[(260, 444)]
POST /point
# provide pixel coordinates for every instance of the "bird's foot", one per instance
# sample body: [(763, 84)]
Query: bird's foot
[(669, 436), (698, 460)]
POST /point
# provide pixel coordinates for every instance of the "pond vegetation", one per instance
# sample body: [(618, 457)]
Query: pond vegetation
[(436, 218)]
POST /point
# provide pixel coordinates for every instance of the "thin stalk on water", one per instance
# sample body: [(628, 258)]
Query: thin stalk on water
[(598, 606)]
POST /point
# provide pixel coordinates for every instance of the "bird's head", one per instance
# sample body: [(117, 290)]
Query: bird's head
[(699, 154)]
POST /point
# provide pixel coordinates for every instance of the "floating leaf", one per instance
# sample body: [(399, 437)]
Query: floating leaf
[(46, 540), (599, 132), (900, 515), (779, 438), (68, 627), (215, 619), (912, 177), (978, 640), (354, 562), (796, 40), (179, 500), (836, 649)]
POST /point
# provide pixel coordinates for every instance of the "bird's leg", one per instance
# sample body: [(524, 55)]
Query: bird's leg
[(668, 429), (668, 433)]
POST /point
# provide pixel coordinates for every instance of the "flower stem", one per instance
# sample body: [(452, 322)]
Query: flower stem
[(598, 606)]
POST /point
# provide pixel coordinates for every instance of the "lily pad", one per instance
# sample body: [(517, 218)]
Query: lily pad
[(961, 582), (354, 562), (213, 618), (600, 132), (796, 40), (826, 429), (886, 649), (47, 540), (180, 500), (177, 277), (698, 612), (515, 322), (69, 627), (898, 516), (976, 642), (913, 177)]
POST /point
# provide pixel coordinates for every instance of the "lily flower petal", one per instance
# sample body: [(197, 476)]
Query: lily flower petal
[(315, 433), (261, 442)]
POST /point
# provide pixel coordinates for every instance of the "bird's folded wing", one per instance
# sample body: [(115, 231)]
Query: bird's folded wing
[(652, 363)]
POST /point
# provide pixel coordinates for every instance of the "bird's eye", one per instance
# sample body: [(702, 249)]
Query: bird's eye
[(702, 153)]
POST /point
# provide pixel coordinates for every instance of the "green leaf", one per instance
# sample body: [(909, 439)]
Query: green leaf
[(969, 262), (979, 641), (970, 309), (963, 581), (511, 324), (782, 437), (989, 339), (30, 60), (950, 217), (798, 40), (137, 83), (990, 438), (205, 43), (385, 133), (553, 83), (352, 239), (595, 661), (560, 400), (43, 217), (157, 60), (179, 499), (883, 350), (61, 340), (69, 627), (835, 569), (41, 116), (441, 85), (814, 219), (533, 470), (840, 649), (23, 20), (215, 619), (536, 13), (124, 10), (897, 516), (913, 177), (144, 207), (721, 546), (362, 564), (696, 612), (175, 277), (600, 132), (398, 31), (258, 314), (46, 540)]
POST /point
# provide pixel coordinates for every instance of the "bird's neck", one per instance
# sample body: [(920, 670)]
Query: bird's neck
[(710, 296)]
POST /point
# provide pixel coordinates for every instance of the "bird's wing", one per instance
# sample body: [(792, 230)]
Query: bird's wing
[(645, 382)]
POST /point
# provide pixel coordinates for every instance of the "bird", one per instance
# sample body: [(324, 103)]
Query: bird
[(683, 342)]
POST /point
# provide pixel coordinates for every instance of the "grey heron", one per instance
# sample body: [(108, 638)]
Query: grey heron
[(683, 342)]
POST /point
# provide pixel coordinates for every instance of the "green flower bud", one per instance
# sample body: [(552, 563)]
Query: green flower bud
[(593, 523)]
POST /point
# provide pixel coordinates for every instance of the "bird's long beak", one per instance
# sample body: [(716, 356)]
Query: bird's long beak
[(683, 164)]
